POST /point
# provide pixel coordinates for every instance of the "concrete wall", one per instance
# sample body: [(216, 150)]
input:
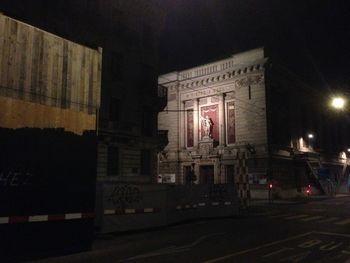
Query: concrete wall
[(124, 207)]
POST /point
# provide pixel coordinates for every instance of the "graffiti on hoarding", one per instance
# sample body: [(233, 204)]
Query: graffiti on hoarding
[(15, 178), (123, 195)]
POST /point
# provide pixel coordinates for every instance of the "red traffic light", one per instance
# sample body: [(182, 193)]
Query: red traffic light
[(270, 186)]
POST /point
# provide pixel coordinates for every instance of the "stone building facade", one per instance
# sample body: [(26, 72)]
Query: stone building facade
[(266, 126), (231, 93)]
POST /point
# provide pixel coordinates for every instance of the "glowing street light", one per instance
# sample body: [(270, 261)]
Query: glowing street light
[(338, 103), (310, 136)]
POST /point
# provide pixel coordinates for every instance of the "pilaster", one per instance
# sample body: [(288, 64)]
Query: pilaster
[(222, 124), (182, 125), (195, 122)]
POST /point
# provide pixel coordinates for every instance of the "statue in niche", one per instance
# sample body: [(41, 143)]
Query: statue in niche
[(207, 125)]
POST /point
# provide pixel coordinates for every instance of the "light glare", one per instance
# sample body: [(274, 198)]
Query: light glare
[(338, 103)]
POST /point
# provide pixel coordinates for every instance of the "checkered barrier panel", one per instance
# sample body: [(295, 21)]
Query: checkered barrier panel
[(242, 180)]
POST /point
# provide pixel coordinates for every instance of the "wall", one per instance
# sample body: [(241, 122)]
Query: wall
[(124, 207), (47, 78)]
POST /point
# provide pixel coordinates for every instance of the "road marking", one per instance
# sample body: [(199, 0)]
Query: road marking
[(255, 248), (333, 234), (343, 222), (296, 217), (311, 218), (173, 249), (327, 220), (277, 252), (280, 215), (298, 256)]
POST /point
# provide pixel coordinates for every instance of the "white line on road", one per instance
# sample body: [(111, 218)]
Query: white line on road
[(173, 249), (327, 220), (255, 248), (343, 222), (280, 215), (311, 218), (296, 217)]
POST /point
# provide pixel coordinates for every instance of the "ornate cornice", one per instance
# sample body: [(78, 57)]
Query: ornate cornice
[(244, 74)]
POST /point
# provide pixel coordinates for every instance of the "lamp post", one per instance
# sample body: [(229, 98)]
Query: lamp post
[(310, 137), (338, 103)]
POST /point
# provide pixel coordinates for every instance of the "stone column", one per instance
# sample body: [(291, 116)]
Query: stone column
[(196, 125), (222, 120), (182, 125)]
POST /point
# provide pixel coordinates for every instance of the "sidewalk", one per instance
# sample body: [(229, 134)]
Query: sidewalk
[(297, 200)]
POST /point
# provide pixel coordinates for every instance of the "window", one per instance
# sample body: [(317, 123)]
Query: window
[(231, 123), (190, 129), (145, 162), (114, 110), (147, 36), (116, 20), (148, 121), (117, 62), (148, 80), (112, 161)]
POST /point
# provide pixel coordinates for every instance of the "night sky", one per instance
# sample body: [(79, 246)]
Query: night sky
[(310, 37)]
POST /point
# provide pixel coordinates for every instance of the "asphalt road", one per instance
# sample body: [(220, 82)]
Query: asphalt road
[(317, 231)]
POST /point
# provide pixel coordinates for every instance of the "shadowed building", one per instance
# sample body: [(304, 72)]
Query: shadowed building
[(128, 32)]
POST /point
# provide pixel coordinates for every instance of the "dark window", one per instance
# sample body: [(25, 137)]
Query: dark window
[(148, 122), (147, 36), (250, 92), (117, 26), (146, 162), (117, 63), (231, 122), (148, 80), (112, 161), (206, 173), (114, 109)]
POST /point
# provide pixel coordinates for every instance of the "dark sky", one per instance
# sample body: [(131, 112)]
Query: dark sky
[(311, 37)]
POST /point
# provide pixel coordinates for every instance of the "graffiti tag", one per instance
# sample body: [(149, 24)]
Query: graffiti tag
[(15, 178), (123, 195)]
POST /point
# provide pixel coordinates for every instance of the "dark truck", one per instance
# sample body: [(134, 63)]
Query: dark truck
[(49, 99)]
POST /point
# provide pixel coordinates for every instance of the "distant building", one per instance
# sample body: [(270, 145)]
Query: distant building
[(266, 126)]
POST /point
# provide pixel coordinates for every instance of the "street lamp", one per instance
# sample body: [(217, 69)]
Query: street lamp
[(338, 103), (310, 136)]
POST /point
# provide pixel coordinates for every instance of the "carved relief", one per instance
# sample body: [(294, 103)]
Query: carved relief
[(230, 95), (214, 99), (203, 101), (206, 148), (252, 80), (189, 103)]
